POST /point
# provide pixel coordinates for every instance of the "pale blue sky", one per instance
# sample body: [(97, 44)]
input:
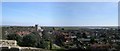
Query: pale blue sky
[(60, 13), (60, 0)]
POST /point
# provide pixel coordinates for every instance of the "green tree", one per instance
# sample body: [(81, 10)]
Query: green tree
[(59, 39), (92, 40), (42, 44), (50, 44), (30, 40), (16, 37), (84, 35)]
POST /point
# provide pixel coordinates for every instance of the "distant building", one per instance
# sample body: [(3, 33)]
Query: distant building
[(36, 27), (23, 32)]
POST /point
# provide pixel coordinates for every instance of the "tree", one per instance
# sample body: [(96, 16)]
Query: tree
[(50, 44), (84, 35), (92, 40), (16, 37), (62, 29), (42, 44), (78, 35), (30, 40), (59, 40)]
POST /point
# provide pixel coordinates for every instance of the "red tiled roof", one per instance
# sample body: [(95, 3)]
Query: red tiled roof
[(23, 32)]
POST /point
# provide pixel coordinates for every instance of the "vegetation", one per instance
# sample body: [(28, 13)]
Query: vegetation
[(56, 39), (16, 37), (30, 40)]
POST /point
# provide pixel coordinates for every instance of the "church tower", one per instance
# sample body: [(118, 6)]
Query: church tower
[(36, 27)]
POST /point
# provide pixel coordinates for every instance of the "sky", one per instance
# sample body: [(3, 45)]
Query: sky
[(60, 13), (60, 0)]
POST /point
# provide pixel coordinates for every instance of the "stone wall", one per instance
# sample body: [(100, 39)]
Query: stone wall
[(11, 45), (8, 42), (32, 49), (21, 49)]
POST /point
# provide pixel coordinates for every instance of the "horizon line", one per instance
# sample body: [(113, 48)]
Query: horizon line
[(64, 25)]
